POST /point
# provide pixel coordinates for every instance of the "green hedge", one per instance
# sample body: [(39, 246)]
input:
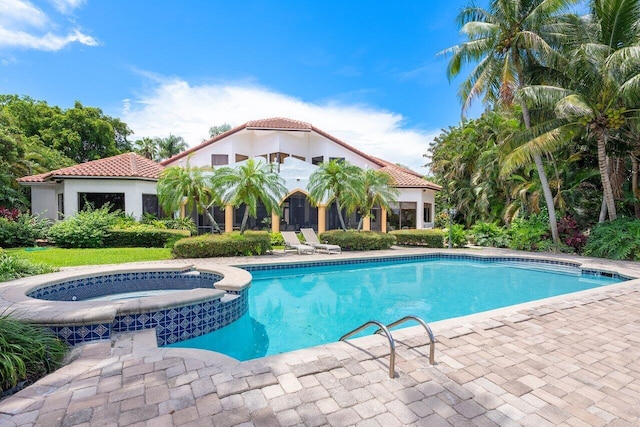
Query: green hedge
[(432, 238), (220, 245), (144, 237), (352, 240)]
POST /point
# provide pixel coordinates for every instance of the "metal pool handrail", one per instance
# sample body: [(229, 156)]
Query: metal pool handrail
[(432, 340), (392, 344)]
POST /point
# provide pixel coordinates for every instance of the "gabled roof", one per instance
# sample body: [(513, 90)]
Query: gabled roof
[(402, 176), (127, 165)]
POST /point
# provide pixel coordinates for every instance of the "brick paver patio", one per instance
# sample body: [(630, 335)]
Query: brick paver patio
[(571, 361)]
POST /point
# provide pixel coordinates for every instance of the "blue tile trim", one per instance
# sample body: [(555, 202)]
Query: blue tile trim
[(110, 284), (430, 257), (77, 334)]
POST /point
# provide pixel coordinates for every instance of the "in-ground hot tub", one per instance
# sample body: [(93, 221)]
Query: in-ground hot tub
[(201, 301)]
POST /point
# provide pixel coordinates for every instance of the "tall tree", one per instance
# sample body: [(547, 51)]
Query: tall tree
[(148, 147), (378, 190), (502, 41), (337, 180), (603, 92), (171, 145), (250, 183), (190, 186), (218, 130)]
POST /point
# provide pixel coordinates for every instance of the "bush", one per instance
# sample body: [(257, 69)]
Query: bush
[(27, 353), (488, 234), (86, 229), (185, 223), (143, 236), (220, 245), (619, 240), (14, 268), (432, 238), (17, 230), (457, 234), (528, 234), (352, 240), (570, 233), (276, 239)]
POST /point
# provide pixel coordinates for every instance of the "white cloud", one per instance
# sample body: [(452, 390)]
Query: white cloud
[(66, 6), (25, 26), (175, 106)]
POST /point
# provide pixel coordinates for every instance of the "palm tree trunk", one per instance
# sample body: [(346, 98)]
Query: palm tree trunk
[(245, 217), (635, 168), (216, 227), (544, 182), (601, 139), (344, 227)]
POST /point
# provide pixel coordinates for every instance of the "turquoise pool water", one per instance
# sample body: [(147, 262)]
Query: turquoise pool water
[(297, 308)]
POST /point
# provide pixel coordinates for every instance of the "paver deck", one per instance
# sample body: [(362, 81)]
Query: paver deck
[(572, 360)]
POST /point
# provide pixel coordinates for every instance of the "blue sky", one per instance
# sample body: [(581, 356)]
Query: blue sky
[(366, 72)]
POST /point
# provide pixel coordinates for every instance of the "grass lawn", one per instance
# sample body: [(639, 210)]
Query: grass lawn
[(59, 257)]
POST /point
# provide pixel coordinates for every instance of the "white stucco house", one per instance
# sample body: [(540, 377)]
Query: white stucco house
[(295, 149), (127, 181)]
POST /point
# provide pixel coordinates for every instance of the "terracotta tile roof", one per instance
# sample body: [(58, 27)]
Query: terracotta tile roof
[(127, 165), (278, 123)]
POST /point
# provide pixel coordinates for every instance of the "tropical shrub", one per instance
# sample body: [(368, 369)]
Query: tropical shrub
[(432, 238), (352, 240), (618, 239), (143, 236), (21, 229), (528, 234), (489, 234), (27, 353), (457, 234), (220, 245), (185, 223), (276, 239), (570, 233), (86, 229), (12, 267)]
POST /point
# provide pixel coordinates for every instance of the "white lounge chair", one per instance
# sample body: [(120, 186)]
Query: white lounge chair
[(312, 239), (291, 241)]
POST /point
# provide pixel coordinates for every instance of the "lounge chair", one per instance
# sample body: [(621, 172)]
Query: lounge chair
[(312, 239), (291, 241)]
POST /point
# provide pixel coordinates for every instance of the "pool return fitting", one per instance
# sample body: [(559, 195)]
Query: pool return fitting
[(392, 344)]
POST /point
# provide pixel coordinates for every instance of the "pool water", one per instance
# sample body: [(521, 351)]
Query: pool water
[(297, 308)]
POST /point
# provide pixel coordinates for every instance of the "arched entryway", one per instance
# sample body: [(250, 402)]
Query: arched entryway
[(298, 213)]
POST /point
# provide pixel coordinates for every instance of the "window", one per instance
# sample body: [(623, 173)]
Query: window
[(338, 159), (61, 206), (98, 200), (241, 157), (299, 157), (401, 216), (277, 157), (427, 212), (317, 160), (150, 206), (219, 159)]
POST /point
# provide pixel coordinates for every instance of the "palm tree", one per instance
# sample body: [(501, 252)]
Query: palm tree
[(338, 180), (250, 183), (378, 190), (503, 40), (148, 147), (193, 186), (171, 145), (603, 92)]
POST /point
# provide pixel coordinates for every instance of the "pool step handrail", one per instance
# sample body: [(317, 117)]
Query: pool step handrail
[(432, 339), (392, 344)]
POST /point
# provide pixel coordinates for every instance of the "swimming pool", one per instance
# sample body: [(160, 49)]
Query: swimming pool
[(299, 307)]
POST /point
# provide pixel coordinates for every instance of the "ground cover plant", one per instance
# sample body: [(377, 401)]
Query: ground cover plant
[(61, 257), (27, 353), (14, 267)]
